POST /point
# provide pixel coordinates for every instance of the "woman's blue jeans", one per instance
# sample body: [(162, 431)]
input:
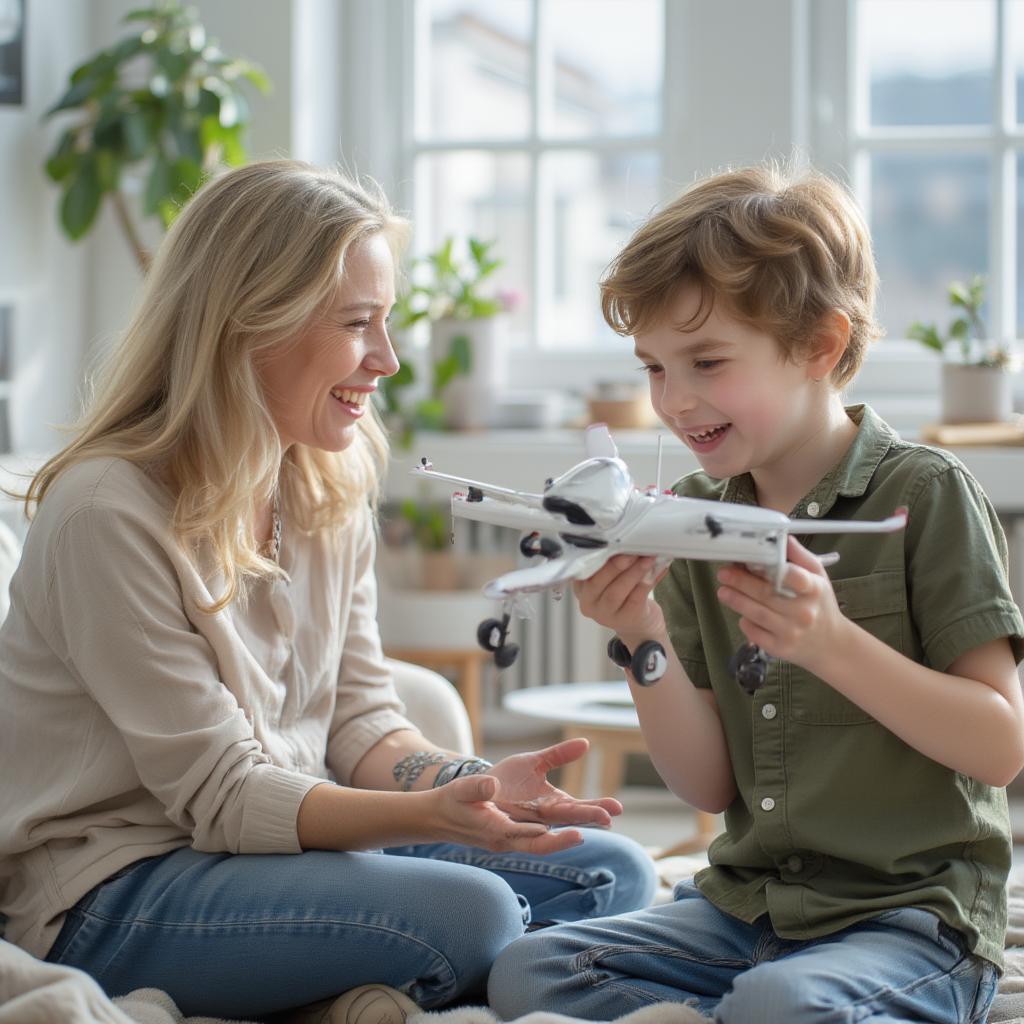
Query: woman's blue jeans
[(245, 935), (903, 965)]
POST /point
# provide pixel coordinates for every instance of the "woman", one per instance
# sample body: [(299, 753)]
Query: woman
[(192, 656)]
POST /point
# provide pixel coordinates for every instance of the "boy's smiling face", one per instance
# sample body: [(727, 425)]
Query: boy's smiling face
[(727, 389)]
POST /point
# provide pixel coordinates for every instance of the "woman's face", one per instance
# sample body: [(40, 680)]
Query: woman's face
[(318, 387)]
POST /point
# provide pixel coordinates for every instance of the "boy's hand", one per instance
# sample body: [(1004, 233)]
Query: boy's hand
[(801, 629), (618, 596)]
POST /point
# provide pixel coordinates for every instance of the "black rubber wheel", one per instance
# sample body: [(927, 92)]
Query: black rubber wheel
[(749, 667), (649, 663), (550, 548), (618, 652), (529, 546), (490, 634), (506, 655)]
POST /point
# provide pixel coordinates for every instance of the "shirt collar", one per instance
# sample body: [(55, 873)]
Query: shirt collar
[(849, 478)]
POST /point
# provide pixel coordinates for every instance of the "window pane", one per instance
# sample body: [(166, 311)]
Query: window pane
[(930, 221), (1020, 246), (928, 63), (1015, 31), (483, 195), (590, 205), (607, 78), (479, 69)]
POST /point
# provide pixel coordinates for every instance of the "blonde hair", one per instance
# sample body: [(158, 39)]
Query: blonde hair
[(779, 249), (253, 257)]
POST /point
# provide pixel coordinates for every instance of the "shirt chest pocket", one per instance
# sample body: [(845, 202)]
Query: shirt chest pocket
[(878, 604)]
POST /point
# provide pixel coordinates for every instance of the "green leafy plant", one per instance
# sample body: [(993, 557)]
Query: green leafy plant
[(443, 285), (165, 99), (429, 524), (966, 330)]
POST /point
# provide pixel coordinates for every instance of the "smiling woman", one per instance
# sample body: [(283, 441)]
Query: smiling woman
[(193, 629)]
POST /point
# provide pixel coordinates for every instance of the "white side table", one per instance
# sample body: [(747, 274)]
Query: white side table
[(603, 713)]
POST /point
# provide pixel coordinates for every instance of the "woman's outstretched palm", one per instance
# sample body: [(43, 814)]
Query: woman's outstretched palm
[(526, 795)]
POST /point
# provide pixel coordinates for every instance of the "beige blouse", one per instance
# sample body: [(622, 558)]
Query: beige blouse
[(132, 723)]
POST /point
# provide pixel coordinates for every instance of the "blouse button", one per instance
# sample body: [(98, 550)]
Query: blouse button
[(769, 711), (813, 509), (767, 804)]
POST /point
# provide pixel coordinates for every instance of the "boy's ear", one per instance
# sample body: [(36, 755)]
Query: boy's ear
[(830, 341)]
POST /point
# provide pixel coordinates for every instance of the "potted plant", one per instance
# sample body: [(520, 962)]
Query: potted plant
[(156, 113), (976, 372), (467, 337)]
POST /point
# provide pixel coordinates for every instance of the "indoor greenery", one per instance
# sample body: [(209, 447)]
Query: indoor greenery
[(443, 285), (164, 100), (429, 524), (966, 331)]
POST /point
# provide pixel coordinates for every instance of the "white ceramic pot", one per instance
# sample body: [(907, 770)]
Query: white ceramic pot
[(471, 399), (976, 394)]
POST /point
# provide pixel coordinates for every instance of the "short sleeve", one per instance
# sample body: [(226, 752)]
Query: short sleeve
[(957, 569), (675, 595)]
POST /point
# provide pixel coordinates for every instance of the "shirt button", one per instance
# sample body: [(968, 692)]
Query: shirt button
[(813, 509), (767, 804), (769, 711), (794, 865)]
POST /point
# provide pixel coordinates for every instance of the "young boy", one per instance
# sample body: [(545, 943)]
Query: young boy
[(861, 874)]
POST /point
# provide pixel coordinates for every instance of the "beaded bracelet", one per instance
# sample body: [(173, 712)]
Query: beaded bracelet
[(461, 766)]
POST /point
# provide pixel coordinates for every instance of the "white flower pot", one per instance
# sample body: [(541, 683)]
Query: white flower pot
[(976, 394), (471, 399)]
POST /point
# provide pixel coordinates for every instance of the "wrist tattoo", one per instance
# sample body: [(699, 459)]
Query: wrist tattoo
[(412, 766)]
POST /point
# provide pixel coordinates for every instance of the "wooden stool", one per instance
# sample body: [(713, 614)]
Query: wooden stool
[(464, 663)]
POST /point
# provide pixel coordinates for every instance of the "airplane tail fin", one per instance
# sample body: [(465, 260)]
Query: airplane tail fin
[(598, 440)]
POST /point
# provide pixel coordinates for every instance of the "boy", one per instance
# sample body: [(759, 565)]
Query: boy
[(861, 874)]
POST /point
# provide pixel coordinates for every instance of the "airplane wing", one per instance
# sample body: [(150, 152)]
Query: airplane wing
[(552, 573), (425, 469), (890, 525)]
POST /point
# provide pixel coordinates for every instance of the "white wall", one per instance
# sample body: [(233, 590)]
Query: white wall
[(41, 274)]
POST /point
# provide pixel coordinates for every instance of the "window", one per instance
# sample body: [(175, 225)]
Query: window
[(937, 151), (538, 124)]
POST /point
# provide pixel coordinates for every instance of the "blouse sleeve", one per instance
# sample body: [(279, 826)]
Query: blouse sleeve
[(957, 574), (367, 706), (115, 616)]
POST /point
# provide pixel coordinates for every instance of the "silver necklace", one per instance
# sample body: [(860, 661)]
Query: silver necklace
[(275, 529)]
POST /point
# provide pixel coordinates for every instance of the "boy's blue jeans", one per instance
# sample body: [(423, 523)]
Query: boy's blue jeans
[(903, 965), (242, 936)]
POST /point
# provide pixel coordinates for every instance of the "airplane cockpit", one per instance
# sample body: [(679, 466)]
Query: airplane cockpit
[(594, 493)]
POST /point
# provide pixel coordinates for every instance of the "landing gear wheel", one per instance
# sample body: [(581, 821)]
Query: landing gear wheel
[(534, 544), (618, 652), (491, 633), (506, 655), (749, 667), (649, 663)]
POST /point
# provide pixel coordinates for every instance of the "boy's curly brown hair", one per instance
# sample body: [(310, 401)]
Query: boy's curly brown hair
[(779, 249)]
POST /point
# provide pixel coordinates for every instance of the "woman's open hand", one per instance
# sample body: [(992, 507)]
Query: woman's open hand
[(526, 794), (467, 812)]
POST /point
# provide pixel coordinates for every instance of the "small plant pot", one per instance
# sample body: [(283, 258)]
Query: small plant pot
[(976, 394), (440, 571), (471, 400)]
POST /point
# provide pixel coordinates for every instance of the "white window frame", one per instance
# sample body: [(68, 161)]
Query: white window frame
[(533, 146), (799, 101)]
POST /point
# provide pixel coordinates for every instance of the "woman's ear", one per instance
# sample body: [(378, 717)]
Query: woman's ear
[(830, 340)]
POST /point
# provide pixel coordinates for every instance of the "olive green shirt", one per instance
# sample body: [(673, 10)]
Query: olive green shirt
[(836, 819)]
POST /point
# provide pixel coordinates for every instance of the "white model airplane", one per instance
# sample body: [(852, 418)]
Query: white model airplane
[(593, 512)]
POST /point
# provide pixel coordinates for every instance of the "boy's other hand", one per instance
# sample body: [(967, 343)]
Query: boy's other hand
[(618, 596), (801, 629)]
